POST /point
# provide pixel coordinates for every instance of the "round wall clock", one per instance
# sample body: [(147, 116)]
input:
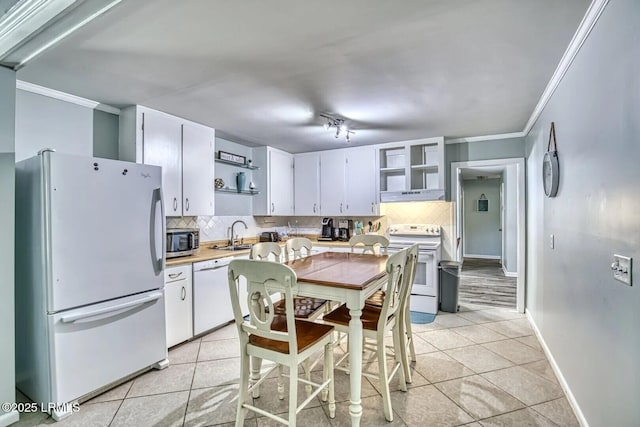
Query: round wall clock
[(550, 173), (551, 166)]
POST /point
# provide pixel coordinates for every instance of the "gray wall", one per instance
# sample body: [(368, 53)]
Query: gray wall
[(7, 219), (588, 320), (481, 235), (43, 122), (480, 150), (105, 135)]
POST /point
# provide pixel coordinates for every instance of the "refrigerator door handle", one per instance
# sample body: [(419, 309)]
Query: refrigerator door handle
[(130, 304), (156, 258)]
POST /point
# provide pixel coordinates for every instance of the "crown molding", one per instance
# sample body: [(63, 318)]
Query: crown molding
[(584, 29), (63, 96), (484, 138)]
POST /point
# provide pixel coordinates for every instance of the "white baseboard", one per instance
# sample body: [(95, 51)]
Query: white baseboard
[(509, 273), (9, 418), (556, 369), (482, 256)]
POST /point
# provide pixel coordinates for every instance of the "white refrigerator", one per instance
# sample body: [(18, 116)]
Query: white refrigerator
[(89, 275)]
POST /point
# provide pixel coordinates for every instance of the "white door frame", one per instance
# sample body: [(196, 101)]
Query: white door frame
[(503, 234), (456, 185)]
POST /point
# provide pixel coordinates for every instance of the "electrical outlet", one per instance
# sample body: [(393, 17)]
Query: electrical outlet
[(622, 270), (552, 241)]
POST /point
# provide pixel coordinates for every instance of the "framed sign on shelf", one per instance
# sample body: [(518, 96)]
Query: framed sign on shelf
[(230, 157)]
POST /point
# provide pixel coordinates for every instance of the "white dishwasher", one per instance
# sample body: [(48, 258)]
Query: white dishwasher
[(211, 297)]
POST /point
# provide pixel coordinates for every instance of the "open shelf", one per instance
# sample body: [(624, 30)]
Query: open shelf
[(234, 191), (427, 166), (239, 165)]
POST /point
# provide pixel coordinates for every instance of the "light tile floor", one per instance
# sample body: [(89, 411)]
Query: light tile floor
[(481, 366)]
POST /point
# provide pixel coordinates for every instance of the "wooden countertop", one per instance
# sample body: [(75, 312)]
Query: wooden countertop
[(206, 253)]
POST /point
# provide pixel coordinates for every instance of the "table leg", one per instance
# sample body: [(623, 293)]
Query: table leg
[(355, 361)]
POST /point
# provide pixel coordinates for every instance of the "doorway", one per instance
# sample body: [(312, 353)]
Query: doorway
[(489, 229)]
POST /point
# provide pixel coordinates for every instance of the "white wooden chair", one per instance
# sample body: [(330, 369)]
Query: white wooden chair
[(371, 243), (296, 248), (406, 333), (304, 307), (376, 322), (285, 340), (264, 250)]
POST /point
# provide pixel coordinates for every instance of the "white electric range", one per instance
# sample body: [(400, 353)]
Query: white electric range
[(424, 293)]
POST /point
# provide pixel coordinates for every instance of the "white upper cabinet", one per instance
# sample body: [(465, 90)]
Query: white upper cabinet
[(343, 184), (184, 150), (306, 184), (360, 179), (332, 183), (162, 140), (412, 170), (276, 171), (197, 170)]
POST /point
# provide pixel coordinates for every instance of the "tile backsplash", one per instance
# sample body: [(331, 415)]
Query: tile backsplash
[(437, 212), (218, 227)]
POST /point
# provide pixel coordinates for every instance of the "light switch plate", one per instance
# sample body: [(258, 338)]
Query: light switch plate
[(622, 269)]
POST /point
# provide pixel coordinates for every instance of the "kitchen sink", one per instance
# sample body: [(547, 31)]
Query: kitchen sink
[(233, 248)]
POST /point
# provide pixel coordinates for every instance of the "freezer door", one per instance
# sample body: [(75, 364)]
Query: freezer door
[(106, 229), (96, 345)]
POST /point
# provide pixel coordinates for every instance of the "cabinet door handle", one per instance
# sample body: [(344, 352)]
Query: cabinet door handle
[(175, 204), (183, 294), (273, 207), (187, 203), (174, 275), (340, 207), (372, 211), (314, 208)]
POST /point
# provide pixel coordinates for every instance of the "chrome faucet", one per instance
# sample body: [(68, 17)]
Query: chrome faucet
[(233, 238)]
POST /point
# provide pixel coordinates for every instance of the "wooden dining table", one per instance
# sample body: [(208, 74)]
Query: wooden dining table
[(349, 278)]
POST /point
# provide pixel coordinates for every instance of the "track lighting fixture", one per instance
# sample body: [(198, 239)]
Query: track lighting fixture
[(339, 124)]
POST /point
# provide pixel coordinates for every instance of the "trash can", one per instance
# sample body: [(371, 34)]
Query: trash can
[(449, 283)]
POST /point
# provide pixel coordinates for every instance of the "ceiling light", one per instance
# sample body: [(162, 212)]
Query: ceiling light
[(339, 124)]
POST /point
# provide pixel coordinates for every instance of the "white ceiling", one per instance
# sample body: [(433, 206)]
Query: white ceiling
[(261, 71)]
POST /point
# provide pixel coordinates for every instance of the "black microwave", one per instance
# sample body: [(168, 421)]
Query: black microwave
[(182, 241)]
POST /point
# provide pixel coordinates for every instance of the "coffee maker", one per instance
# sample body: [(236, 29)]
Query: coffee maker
[(345, 227), (327, 229)]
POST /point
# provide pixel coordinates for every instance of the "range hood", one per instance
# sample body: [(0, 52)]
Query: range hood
[(411, 195), (29, 27)]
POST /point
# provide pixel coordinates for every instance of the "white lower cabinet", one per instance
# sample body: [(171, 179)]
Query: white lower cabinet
[(178, 304)]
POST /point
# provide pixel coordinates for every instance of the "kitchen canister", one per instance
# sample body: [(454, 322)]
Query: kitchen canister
[(240, 181)]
